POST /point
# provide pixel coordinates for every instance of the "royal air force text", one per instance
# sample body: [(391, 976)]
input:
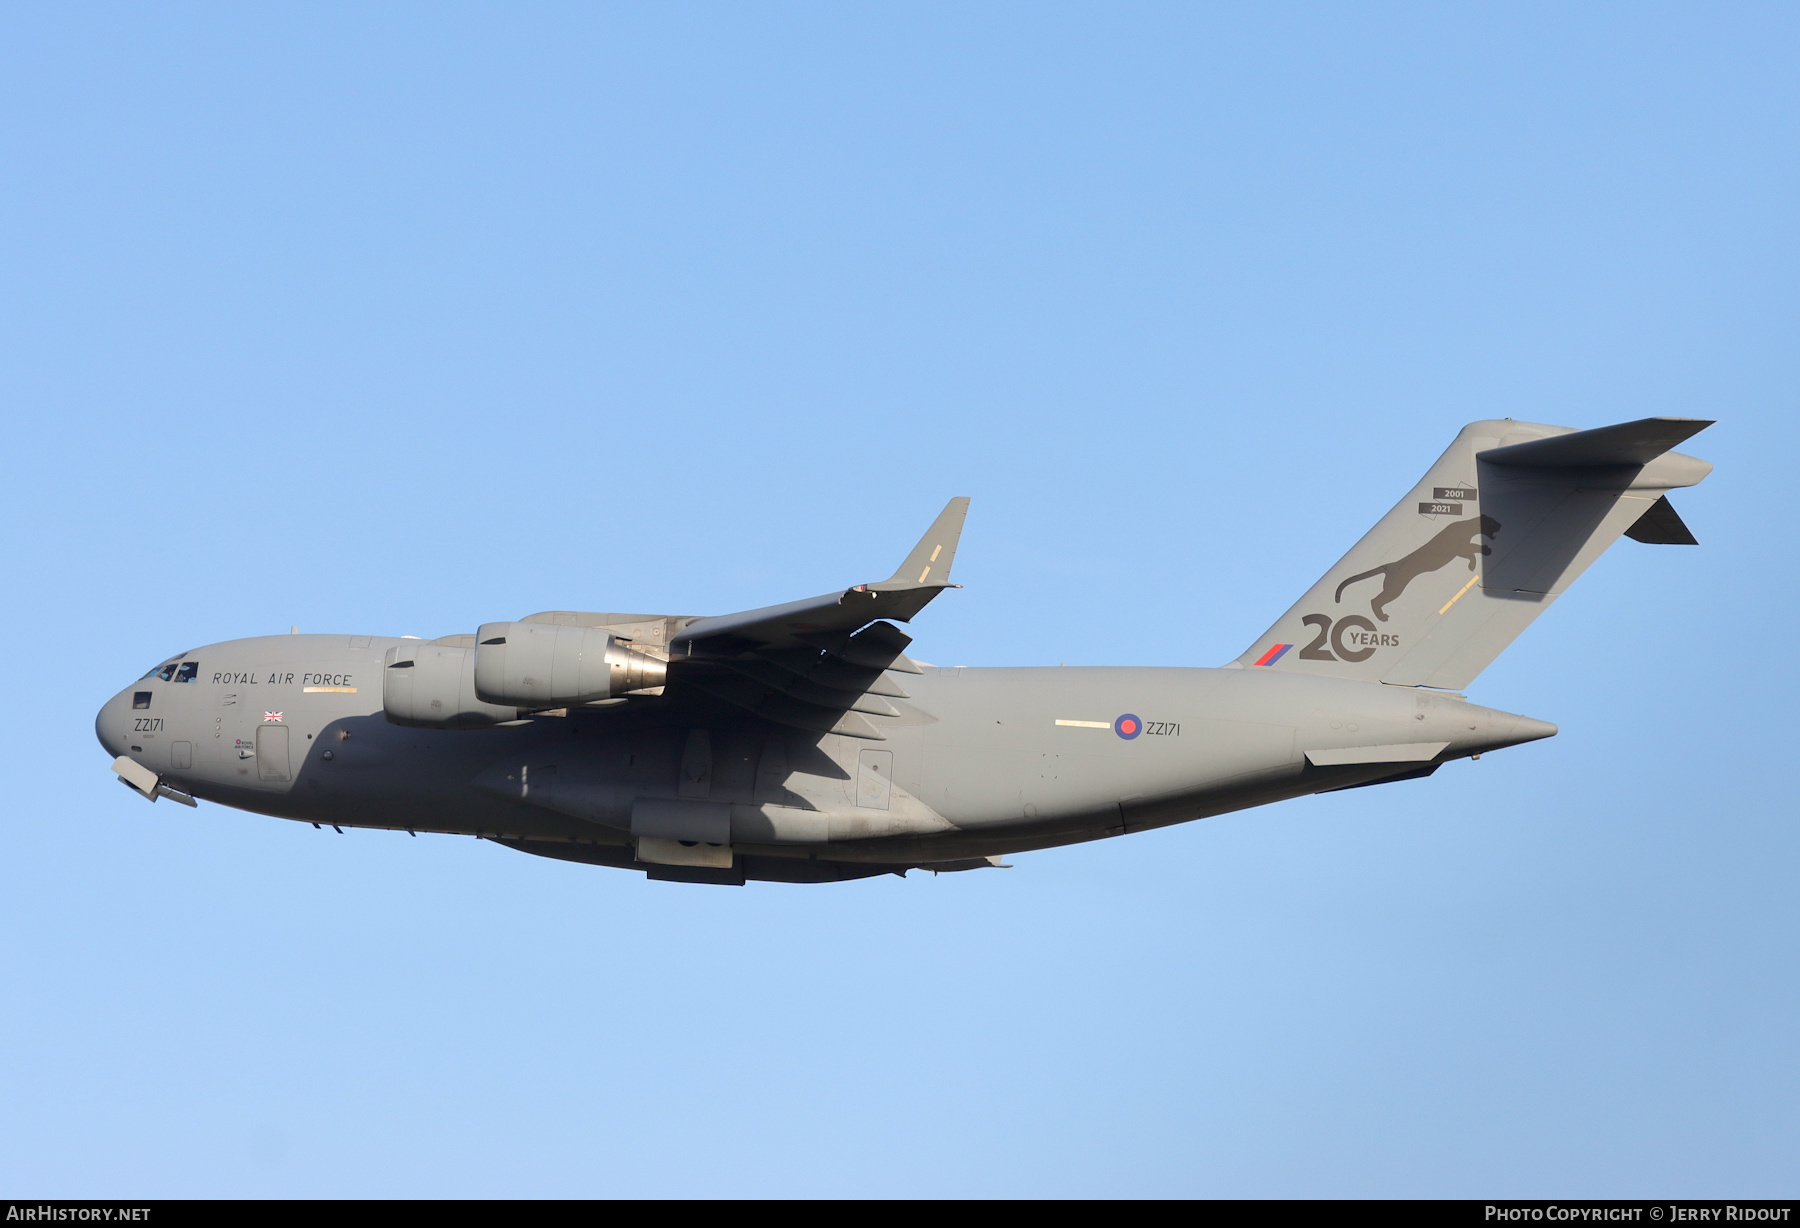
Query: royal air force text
[(280, 679)]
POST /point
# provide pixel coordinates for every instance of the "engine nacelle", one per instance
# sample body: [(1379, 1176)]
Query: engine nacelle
[(429, 684), (540, 665)]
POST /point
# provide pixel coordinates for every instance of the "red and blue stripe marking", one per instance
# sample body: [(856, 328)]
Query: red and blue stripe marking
[(1273, 655)]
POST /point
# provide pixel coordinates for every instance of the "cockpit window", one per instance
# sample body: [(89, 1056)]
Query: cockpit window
[(166, 672), (189, 671), (153, 671)]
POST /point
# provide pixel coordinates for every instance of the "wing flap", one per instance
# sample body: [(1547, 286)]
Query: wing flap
[(808, 691), (822, 663), (816, 665), (877, 646), (772, 705)]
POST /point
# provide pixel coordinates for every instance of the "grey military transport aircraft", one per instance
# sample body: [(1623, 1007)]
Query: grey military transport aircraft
[(799, 743)]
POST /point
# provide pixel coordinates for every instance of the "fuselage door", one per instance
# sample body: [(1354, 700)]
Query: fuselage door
[(875, 779), (272, 752)]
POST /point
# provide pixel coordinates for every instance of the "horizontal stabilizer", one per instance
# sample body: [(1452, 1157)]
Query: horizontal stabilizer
[(1662, 526), (1627, 443)]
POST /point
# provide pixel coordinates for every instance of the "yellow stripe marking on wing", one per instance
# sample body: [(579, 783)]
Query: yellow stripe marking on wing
[(1459, 592)]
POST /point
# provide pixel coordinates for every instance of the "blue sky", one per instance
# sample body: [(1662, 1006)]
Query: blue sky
[(397, 320)]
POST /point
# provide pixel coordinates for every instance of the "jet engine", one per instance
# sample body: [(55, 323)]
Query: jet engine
[(430, 684), (539, 665)]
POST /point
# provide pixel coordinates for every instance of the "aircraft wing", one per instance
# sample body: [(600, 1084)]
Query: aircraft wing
[(821, 663)]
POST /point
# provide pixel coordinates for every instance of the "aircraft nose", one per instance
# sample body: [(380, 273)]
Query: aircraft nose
[(111, 720)]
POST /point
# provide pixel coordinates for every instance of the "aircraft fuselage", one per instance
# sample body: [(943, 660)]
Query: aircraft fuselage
[(978, 763)]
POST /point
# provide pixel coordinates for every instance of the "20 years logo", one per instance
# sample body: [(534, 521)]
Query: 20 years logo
[(1354, 638)]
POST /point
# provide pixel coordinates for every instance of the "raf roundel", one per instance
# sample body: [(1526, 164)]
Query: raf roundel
[(1128, 726)]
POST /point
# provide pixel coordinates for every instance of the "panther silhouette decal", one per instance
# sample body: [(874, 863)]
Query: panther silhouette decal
[(1453, 541)]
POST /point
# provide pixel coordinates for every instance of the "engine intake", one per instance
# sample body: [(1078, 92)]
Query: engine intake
[(539, 665), (433, 685)]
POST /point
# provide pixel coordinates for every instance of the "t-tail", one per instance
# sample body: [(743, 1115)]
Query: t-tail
[(1493, 533)]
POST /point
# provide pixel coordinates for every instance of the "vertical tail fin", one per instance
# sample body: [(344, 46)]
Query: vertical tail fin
[(1494, 532)]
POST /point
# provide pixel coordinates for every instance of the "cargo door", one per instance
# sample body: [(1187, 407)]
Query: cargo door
[(272, 752)]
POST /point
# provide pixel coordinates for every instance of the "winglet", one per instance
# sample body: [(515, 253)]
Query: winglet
[(924, 574), (929, 562)]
